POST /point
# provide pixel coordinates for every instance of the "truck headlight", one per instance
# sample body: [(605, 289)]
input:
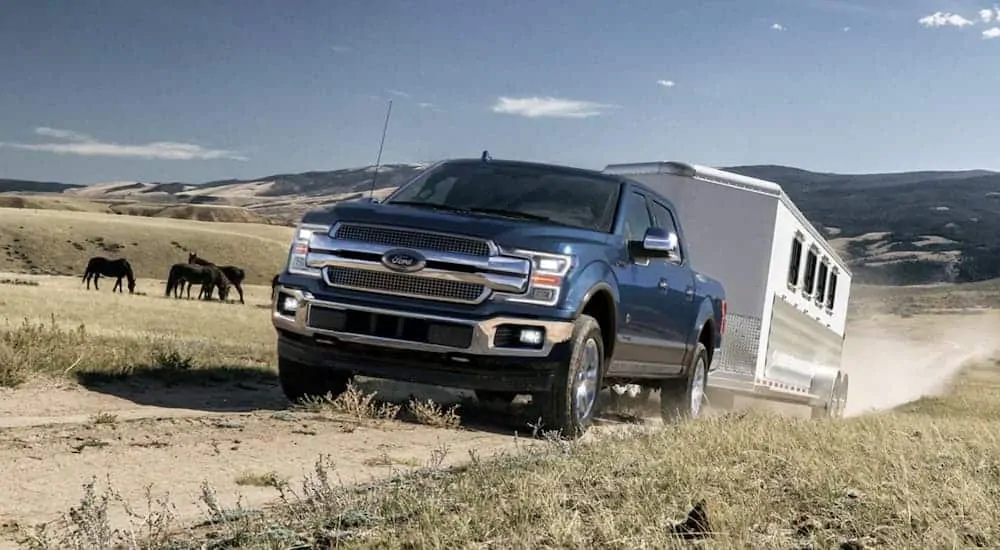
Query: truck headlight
[(547, 274), (300, 249)]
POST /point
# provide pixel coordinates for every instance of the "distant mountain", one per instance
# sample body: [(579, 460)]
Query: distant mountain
[(906, 227)]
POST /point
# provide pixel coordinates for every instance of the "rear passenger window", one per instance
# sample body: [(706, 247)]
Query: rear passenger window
[(831, 291), (810, 277), (795, 262)]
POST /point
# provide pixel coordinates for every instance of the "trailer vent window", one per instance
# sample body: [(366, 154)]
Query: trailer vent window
[(821, 283), (831, 291), (795, 262), (810, 277)]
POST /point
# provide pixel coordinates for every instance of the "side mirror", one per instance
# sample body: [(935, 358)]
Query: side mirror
[(660, 243)]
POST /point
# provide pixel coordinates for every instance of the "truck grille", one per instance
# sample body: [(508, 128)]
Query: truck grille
[(406, 285), (406, 238)]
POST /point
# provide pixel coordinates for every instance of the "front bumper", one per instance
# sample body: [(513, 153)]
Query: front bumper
[(393, 344)]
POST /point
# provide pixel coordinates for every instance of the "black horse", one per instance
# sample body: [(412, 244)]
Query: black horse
[(235, 274), (99, 265), (209, 277)]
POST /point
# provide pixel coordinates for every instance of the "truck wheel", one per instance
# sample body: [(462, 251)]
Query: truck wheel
[(299, 381), (683, 398), (570, 405), (499, 397)]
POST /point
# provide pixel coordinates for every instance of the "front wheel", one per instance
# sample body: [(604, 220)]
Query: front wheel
[(570, 405), (300, 381), (683, 398)]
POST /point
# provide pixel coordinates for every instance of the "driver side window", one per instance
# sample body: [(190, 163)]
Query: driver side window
[(665, 220), (637, 219)]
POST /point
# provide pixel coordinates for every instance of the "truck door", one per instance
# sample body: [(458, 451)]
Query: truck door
[(677, 286), (644, 342)]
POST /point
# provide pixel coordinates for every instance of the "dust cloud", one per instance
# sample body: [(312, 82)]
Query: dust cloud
[(893, 360)]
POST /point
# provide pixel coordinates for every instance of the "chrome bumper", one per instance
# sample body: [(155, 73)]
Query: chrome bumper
[(556, 332)]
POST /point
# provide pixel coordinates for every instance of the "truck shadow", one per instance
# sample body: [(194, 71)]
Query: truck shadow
[(217, 389), (522, 418), (241, 389)]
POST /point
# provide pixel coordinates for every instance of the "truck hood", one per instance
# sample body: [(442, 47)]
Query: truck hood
[(506, 232)]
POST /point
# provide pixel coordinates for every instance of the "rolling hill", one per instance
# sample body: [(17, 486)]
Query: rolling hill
[(906, 227)]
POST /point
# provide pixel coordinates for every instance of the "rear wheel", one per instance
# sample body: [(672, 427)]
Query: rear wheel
[(300, 381), (570, 405), (683, 398)]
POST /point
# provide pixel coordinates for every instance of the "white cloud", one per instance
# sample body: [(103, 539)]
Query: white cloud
[(943, 19), (846, 29), (536, 107), (340, 49), (988, 15), (666, 83), (778, 27), (990, 34), (429, 106), (87, 146), (399, 93)]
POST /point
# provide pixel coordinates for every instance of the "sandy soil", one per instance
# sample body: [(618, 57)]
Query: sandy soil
[(176, 438)]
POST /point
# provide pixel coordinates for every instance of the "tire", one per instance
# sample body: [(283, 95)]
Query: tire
[(299, 381), (570, 405), (684, 398), (837, 401), (499, 397)]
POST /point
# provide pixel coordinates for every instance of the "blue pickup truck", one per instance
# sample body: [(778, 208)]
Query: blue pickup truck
[(506, 278)]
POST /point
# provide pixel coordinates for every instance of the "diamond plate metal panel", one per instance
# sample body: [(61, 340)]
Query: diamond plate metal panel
[(739, 344)]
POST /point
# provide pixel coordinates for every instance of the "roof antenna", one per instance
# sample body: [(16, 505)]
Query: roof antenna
[(486, 156), (378, 159)]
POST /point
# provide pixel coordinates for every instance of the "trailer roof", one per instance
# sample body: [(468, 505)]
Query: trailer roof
[(714, 175)]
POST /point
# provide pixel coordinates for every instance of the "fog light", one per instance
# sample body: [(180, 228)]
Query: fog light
[(531, 336)]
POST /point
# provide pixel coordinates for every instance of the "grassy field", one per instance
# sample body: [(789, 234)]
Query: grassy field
[(55, 327), (59, 242)]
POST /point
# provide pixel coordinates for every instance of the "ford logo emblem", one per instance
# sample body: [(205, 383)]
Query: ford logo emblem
[(405, 261)]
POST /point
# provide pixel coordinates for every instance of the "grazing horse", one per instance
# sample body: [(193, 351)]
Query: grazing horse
[(99, 265), (208, 276), (233, 273)]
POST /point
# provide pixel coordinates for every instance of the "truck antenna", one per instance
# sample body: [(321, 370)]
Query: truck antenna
[(378, 159)]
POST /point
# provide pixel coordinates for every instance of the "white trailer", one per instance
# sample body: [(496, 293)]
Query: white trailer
[(786, 287)]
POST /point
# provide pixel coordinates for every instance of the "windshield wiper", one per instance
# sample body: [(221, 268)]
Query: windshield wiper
[(478, 210), (512, 214), (430, 205)]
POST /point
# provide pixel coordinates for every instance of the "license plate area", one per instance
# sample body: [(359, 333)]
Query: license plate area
[(387, 325)]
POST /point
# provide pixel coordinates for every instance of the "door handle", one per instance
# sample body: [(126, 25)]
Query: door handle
[(689, 292), (663, 284)]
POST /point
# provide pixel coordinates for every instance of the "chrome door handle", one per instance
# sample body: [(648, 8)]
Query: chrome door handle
[(663, 284)]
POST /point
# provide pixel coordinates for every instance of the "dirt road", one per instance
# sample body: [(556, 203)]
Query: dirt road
[(53, 439)]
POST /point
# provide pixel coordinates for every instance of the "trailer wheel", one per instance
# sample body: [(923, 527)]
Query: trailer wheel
[(837, 399), (683, 398), (570, 405), (300, 381)]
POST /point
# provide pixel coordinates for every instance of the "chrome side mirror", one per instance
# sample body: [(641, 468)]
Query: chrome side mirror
[(660, 243)]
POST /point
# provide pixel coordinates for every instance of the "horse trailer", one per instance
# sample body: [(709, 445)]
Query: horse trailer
[(787, 288)]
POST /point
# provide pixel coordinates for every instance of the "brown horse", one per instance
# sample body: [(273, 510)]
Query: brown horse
[(118, 268), (235, 274), (209, 277)]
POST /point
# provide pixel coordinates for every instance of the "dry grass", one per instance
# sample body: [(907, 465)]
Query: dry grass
[(59, 329), (60, 242), (925, 476)]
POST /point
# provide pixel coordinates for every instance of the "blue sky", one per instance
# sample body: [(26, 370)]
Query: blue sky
[(191, 90)]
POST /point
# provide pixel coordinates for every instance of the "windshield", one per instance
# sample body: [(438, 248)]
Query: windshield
[(528, 192)]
